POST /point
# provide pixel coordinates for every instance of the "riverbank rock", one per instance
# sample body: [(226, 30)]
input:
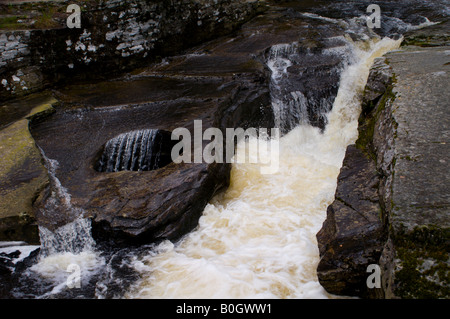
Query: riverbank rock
[(398, 168), (418, 251), (22, 177)]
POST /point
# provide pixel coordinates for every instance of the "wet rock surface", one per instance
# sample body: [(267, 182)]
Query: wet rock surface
[(419, 210), (22, 176), (395, 190), (114, 37)]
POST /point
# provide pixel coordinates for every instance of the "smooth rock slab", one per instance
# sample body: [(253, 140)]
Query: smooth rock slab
[(418, 253), (22, 177)]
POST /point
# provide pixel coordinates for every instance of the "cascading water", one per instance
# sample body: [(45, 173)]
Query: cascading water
[(62, 248), (295, 101), (73, 237), (134, 151), (249, 244)]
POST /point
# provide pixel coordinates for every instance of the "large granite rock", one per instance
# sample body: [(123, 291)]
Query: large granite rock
[(395, 181), (416, 259)]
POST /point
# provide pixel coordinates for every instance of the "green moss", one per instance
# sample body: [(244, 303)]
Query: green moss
[(368, 119), (10, 23), (43, 109), (425, 244), (22, 176), (408, 158), (45, 20), (35, 15), (426, 40), (16, 142)]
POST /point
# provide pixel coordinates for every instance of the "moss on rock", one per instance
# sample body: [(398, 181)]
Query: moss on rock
[(22, 177), (423, 271)]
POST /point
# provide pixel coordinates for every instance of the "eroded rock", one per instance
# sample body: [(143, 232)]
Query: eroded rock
[(22, 177)]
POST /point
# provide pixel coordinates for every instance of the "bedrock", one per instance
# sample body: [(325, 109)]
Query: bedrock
[(115, 36), (392, 202)]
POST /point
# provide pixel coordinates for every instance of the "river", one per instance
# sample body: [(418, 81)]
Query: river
[(257, 239)]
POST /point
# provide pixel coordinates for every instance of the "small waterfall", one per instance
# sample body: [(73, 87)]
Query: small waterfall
[(133, 151), (305, 81), (63, 249), (278, 62), (74, 236)]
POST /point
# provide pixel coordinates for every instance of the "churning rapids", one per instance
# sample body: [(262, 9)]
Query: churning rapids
[(257, 239)]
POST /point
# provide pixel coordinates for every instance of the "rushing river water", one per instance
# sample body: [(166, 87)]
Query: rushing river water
[(257, 239)]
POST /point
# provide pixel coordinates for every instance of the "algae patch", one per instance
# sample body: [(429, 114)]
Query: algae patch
[(22, 177)]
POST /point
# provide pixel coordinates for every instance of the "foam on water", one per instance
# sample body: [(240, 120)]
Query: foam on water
[(257, 239), (69, 245), (59, 267)]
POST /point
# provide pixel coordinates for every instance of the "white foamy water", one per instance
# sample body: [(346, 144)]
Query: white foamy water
[(67, 270), (67, 249), (258, 239), (67, 255)]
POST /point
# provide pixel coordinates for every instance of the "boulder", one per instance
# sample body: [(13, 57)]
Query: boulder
[(353, 234), (140, 206)]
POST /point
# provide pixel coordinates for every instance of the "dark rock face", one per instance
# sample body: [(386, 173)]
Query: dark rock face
[(353, 235), (115, 36), (388, 183)]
